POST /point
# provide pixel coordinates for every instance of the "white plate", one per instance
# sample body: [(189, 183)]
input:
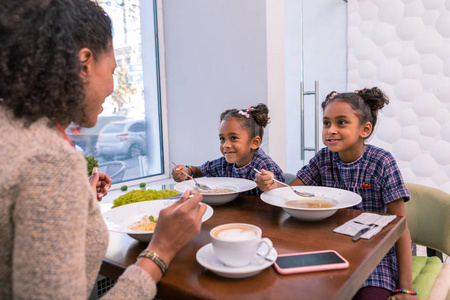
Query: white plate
[(118, 219), (206, 257), (239, 185), (342, 199)]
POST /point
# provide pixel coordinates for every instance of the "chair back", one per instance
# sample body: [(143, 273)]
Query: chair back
[(115, 169), (428, 217)]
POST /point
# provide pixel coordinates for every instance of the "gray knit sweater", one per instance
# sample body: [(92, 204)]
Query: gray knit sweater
[(52, 234)]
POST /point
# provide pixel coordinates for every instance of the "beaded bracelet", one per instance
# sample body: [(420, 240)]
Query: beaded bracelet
[(192, 170), (397, 291), (156, 259)]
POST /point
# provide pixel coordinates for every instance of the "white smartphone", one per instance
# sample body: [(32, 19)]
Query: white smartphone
[(310, 262)]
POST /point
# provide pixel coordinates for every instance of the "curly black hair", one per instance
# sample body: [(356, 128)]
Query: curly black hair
[(39, 63), (366, 103), (258, 118)]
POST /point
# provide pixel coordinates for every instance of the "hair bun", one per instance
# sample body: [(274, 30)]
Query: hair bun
[(374, 97), (260, 113)]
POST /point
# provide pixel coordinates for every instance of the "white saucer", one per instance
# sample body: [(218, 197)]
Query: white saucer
[(206, 257)]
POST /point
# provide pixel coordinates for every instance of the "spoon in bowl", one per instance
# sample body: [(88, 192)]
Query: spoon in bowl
[(199, 185), (303, 194)]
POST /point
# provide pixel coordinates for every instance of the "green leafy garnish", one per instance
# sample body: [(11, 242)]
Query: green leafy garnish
[(152, 219), (91, 163)]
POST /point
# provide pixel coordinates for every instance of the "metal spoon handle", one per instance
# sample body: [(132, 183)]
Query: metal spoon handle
[(303, 194), (259, 172), (175, 166), (199, 185)]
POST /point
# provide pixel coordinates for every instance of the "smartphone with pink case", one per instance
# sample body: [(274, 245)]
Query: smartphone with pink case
[(309, 262)]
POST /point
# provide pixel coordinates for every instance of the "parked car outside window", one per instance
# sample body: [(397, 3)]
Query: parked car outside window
[(86, 138), (122, 138)]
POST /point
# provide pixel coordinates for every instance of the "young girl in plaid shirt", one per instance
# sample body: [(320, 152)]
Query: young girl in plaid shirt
[(348, 163), (240, 134)]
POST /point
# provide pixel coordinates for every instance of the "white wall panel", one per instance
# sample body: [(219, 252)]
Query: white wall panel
[(404, 48), (216, 59)]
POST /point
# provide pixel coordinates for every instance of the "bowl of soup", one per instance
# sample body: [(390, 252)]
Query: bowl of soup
[(314, 208), (326, 202), (223, 189)]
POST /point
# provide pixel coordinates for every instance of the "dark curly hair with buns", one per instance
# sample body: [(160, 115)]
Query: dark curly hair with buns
[(39, 63), (366, 103), (258, 118)]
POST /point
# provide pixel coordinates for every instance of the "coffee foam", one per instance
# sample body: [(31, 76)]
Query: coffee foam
[(235, 233)]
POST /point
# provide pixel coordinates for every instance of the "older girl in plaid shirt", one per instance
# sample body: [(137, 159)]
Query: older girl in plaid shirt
[(240, 134), (348, 163)]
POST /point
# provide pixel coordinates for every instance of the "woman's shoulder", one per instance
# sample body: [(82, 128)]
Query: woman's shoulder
[(37, 135), (37, 152), (38, 143)]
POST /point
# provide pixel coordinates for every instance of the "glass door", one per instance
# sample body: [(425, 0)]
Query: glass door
[(316, 58)]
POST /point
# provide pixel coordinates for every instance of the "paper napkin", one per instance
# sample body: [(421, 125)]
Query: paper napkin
[(353, 226)]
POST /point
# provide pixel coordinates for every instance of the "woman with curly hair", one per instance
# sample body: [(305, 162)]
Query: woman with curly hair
[(56, 67)]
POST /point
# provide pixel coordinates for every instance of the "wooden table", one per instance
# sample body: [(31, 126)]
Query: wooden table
[(186, 279)]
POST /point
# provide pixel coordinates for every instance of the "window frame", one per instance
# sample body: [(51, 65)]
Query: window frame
[(162, 95)]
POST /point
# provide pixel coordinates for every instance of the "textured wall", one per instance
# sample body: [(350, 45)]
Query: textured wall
[(404, 48)]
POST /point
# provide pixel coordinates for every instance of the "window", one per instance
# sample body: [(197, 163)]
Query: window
[(130, 128)]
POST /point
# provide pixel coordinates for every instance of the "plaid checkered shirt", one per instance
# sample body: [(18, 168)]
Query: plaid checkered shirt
[(376, 168), (220, 168)]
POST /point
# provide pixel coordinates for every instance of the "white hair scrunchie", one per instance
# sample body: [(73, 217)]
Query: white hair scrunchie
[(245, 114)]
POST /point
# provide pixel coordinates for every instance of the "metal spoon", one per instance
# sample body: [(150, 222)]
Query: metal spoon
[(303, 194), (199, 185)]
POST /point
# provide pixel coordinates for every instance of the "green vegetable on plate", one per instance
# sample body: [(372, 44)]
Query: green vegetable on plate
[(142, 195)]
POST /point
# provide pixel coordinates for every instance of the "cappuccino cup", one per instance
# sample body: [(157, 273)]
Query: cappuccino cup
[(237, 244)]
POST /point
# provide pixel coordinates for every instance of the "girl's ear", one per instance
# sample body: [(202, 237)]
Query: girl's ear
[(255, 143), (366, 130), (86, 59)]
